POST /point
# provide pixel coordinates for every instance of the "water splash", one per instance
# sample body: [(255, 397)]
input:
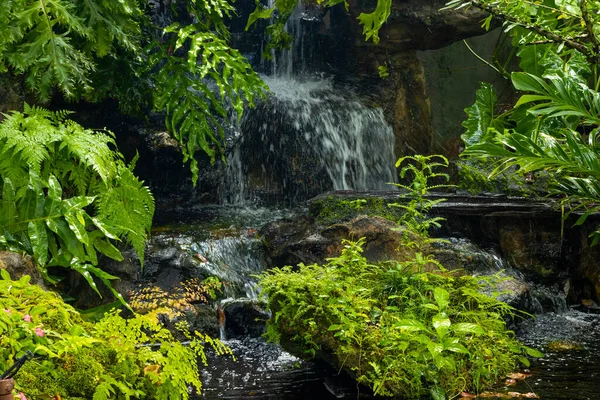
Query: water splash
[(310, 135), (307, 138)]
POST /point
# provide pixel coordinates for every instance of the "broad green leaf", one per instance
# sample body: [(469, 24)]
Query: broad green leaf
[(468, 327), (442, 297), (533, 352), (480, 120), (441, 324), (437, 393), (372, 22), (39, 241), (410, 325), (108, 249), (261, 12)]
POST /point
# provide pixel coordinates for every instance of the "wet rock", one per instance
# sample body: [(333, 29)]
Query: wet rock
[(534, 251), (12, 94), (243, 318), (417, 24), (463, 255), (18, 265), (586, 275), (301, 242), (203, 318)]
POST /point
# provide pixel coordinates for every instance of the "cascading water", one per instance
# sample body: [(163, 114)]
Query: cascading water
[(515, 288), (310, 135)]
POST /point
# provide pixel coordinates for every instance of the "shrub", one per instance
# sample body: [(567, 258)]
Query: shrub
[(115, 358), (394, 327)]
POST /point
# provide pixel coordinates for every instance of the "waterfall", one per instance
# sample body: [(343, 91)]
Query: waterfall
[(310, 135)]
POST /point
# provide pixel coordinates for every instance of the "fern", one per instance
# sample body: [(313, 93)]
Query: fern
[(63, 173), (96, 49), (195, 111), (56, 42), (127, 208)]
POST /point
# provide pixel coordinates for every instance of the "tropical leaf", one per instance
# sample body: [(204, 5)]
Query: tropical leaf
[(480, 123)]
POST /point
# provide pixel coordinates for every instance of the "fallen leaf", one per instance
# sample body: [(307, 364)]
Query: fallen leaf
[(518, 376), (491, 394), (510, 382), (530, 395), (466, 395)]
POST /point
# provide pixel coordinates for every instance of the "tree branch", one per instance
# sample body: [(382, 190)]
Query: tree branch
[(589, 26), (569, 42)]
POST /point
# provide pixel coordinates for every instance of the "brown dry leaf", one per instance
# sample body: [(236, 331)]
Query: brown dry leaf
[(514, 395), (151, 369), (491, 394), (510, 382), (530, 395), (518, 376), (465, 395)]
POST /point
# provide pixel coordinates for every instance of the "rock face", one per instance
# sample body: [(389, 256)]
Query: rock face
[(18, 265), (412, 26), (521, 237), (419, 24), (300, 241), (244, 318)]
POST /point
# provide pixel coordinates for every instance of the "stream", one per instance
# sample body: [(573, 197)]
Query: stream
[(226, 236)]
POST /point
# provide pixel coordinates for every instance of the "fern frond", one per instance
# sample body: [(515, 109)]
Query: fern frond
[(62, 172), (183, 90), (128, 207)]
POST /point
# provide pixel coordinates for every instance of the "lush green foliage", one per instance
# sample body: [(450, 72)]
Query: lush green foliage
[(405, 328), (115, 358), (67, 194), (57, 42), (398, 329), (421, 170), (567, 25), (195, 112), (554, 124), (96, 49)]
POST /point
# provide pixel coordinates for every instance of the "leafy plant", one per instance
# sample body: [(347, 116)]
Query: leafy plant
[(282, 10), (421, 170), (553, 127), (194, 111), (67, 194), (181, 299), (567, 25), (95, 50), (115, 358), (393, 326), (56, 43)]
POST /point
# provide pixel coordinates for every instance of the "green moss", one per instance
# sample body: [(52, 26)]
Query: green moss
[(331, 210), (474, 178)]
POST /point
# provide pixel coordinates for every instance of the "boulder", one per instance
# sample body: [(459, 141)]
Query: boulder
[(292, 242), (418, 24), (244, 317), (19, 265)]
